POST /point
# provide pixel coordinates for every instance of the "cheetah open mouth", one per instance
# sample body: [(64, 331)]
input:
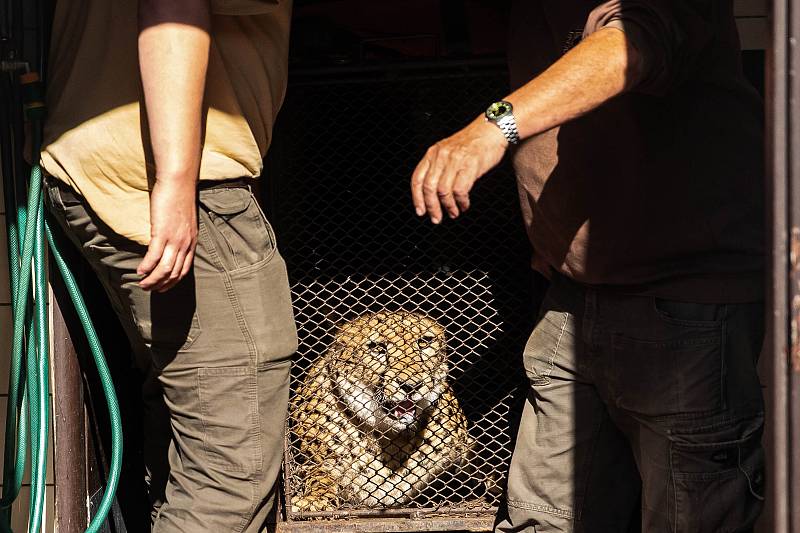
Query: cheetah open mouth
[(403, 409)]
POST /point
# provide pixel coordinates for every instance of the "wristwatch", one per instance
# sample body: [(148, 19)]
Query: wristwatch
[(502, 114)]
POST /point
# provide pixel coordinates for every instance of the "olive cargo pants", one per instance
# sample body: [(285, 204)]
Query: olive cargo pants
[(643, 414), (217, 349)]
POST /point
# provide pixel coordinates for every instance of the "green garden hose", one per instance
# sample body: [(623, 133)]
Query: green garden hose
[(28, 415)]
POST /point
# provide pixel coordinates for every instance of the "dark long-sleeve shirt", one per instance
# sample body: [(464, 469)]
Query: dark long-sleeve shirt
[(659, 191)]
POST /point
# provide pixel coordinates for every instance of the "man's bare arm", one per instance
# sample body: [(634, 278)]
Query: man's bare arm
[(173, 58), (603, 66)]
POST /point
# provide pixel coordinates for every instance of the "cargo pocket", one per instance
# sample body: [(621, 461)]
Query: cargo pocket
[(240, 233), (243, 244), (719, 486), (229, 413)]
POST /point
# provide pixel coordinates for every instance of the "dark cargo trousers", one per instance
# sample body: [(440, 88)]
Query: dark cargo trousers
[(643, 415), (217, 350)]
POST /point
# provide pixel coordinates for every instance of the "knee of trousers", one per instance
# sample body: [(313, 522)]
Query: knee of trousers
[(228, 429)]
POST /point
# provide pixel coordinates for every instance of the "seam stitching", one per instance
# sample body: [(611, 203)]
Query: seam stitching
[(563, 513), (544, 379)]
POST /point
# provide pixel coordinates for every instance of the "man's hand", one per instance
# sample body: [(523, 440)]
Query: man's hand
[(444, 178), (173, 219)]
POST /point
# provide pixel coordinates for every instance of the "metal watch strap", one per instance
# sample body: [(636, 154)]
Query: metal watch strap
[(508, 125)]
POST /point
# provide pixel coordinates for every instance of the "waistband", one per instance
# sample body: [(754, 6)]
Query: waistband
[(573, 294), (567, 292), (235, 183)]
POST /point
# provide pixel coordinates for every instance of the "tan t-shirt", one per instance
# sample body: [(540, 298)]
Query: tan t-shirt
[(96, 134)]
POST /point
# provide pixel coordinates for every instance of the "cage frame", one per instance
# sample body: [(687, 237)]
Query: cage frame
[(451, 517)]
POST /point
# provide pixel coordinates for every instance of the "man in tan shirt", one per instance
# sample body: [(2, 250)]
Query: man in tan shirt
[(160, 115)]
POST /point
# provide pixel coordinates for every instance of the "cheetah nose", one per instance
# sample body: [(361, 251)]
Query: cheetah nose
[(408, 388)]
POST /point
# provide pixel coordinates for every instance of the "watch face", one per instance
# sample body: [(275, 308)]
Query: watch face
[(498, 110)]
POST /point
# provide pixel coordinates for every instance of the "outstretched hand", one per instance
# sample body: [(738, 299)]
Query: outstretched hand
[(444, 178), (173, 220)]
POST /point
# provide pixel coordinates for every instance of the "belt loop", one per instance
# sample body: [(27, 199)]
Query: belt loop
[(53, 191)]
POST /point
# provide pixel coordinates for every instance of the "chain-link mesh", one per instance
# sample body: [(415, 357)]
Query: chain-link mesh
[(410, 335)]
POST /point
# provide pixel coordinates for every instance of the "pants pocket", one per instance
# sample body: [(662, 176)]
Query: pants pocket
[(719, 484), (174, 324), (167, 322), (229, 413), (543, 346), (679, 376), (689, 314)]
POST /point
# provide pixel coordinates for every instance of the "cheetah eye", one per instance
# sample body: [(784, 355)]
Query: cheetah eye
[(426, 340), (376, 347)]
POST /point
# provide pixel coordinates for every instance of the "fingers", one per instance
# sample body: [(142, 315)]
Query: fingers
[(159, 274), (424, 184), (462, 186), (417, 180), (171, 266), (174, 276), (442, 182), (444, 188), (430, 187), (183, 265), (152, 257), (187, 264)]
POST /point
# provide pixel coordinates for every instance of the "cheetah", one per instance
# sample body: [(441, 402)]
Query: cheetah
[(375, 418)]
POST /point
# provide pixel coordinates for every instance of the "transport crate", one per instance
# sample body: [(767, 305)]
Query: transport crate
[(337, 183)]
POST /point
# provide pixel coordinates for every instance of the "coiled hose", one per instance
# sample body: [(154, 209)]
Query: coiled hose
[(28, 410)]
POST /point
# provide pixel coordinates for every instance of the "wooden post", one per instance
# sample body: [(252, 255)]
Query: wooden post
[(69, 420)]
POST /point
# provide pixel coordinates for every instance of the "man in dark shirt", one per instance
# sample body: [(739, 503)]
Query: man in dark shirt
[(640, 172)]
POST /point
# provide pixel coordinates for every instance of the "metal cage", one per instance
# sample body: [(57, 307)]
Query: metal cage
[(439, 312)]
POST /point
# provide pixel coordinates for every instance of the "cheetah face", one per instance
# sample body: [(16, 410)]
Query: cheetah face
[(392, 371)]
